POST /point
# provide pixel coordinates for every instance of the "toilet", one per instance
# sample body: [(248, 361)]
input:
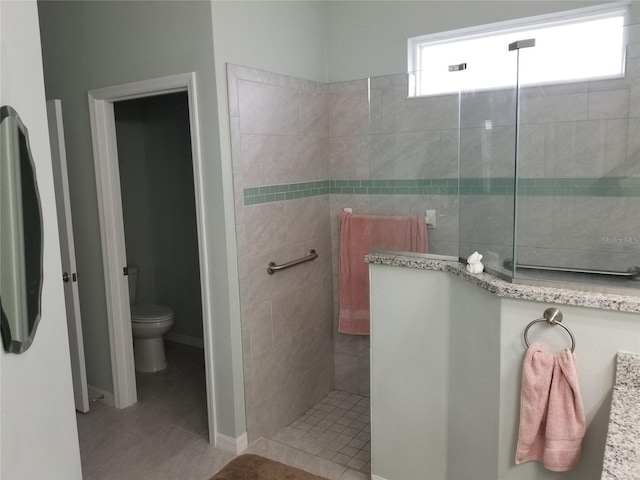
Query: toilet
[(148, 323)]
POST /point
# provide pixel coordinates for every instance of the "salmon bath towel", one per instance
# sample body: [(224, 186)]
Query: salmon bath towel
[(552, 422), (359, 234)]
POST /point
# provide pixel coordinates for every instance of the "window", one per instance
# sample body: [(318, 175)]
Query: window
[(572, 46)]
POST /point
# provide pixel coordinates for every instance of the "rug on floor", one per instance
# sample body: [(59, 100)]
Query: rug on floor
[(254, 467)]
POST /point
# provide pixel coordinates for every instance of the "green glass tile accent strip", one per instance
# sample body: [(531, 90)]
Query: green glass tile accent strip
[(287, 191), (419, 186), (551, 186), (580, 186)]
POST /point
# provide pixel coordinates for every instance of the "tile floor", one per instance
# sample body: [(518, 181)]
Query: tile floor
[(332, 439), (164, 435), (337, 428)]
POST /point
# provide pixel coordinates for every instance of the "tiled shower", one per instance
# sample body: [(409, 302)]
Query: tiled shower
[(303, 151), (280, 137)]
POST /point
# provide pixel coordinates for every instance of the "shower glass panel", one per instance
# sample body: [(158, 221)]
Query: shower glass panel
[(407, 163), (542, 179), (577, 217), (487, 170)]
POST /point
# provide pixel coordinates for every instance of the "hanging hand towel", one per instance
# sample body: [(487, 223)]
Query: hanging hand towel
[(359, 234), (552, 422)]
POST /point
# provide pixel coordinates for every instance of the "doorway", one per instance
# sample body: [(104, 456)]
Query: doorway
[(105, 105), (160, 227), (158, 206)]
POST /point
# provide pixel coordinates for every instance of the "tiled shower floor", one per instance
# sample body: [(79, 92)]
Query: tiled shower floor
[(337, 429)]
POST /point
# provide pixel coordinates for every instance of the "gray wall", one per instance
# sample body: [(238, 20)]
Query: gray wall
[(38, 434), (370, 38), (279, 36), (89, 45), (156, 180)]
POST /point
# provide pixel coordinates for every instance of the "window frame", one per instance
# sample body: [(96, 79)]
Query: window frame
[(565, 17)]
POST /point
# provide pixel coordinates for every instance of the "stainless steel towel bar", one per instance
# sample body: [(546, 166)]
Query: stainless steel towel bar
[(273, 268), (632, 272), (552, 316)]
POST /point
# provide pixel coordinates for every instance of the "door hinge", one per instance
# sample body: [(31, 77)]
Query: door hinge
[(74, 277), (125, 271)]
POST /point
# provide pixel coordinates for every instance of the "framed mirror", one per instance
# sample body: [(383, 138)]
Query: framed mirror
[(20, 236)]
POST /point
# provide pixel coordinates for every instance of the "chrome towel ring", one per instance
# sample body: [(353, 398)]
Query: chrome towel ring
[(552, 316)]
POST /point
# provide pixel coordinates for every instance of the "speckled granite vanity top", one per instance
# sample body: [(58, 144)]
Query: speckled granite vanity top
[(607, 301), (622, 450)]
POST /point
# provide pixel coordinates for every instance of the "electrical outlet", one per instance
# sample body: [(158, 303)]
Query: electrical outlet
[(431, 218)]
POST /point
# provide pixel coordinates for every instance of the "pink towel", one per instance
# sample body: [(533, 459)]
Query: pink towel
[(552, 422), (359, 234)]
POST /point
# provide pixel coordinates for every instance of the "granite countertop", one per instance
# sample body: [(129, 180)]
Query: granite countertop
[(622, 450), (501, 288)]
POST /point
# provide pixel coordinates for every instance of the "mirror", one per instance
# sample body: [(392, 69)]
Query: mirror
[(20, 236)]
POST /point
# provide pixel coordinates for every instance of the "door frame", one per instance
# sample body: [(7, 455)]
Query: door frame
[(105, 157)]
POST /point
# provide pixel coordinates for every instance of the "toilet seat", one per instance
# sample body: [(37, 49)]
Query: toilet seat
[(148, 313)]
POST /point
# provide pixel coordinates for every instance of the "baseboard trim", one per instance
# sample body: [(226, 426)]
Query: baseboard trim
[(98, 395), (232, 445), (376, 477), (185, 339)]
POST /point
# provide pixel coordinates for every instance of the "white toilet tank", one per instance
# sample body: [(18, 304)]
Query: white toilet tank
[(132, 276)]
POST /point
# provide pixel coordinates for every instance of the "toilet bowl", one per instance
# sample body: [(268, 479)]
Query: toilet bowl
[(148, 324)]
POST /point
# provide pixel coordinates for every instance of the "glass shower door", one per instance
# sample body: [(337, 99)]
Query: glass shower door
[(578, 190), (487, 171)]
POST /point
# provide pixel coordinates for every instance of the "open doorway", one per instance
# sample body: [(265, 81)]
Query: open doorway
[(144, 198), (161, 242)]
